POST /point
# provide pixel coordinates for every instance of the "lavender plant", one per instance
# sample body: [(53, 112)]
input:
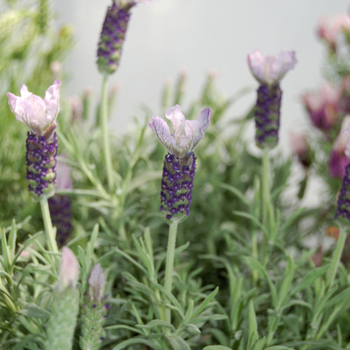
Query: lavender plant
[(239, 276)]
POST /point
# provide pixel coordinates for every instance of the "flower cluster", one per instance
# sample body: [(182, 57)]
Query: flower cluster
[(40, 117), (180, 162), (269, 71)]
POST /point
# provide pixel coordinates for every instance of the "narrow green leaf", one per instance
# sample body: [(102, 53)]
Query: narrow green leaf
[(309, 278), (204, 304), (216, 347), (33, 310), (259, 345)]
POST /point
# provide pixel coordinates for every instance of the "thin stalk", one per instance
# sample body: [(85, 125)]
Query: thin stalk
[(104, 124), (336, 258), (50, 235), (170, 264), (266, 199)]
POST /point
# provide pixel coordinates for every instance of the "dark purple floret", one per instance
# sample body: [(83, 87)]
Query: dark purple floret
[(177, 184), (267, 115), (61, 216), (343, 208), (112, 37), (41, 165)]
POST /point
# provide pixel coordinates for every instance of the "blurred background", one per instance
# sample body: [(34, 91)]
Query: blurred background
[(169, 36)]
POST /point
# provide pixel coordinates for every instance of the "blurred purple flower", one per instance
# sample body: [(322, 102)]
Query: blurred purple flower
[(339, 160), (323, 106), (60, 205)]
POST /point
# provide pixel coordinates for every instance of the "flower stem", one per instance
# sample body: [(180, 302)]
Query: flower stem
[(266, 198), (170, 264), (104, 122), (50, 236), (336, 258)]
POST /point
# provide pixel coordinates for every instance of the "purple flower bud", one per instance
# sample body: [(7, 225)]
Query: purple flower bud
[(113, 34)]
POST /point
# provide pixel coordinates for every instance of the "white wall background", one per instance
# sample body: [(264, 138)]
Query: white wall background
[(200, 35)]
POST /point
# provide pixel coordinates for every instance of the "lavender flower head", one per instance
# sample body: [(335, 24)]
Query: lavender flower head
[(338, 159), (40, 117), (268, 71), (180, 162), (60, 205), (323, 106), (343, 205), (113, 34)]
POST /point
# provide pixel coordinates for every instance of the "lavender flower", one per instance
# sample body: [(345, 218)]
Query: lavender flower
[(301, 149), (113, 34), (40, 117), (323, 106), (268, 71), (343, 205), (61, 205), (180, 162), (338, 160)]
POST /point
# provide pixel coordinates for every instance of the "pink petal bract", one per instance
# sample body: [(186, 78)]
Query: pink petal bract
[(269, 70), (187, 133)]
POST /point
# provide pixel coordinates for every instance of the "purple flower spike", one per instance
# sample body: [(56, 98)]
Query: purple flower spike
[(180, 162), (268, 71), (113, 34), (177, 196), (40, 117)]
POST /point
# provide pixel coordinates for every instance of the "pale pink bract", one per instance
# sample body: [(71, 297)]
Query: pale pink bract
[(69, 270), (32, 110), (187, 133), (269, 70), (97, 282)]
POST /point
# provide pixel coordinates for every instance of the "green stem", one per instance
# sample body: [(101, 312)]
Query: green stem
[(104, 124), (336, 258), (265, 203), (170, 264), (50, 236)]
